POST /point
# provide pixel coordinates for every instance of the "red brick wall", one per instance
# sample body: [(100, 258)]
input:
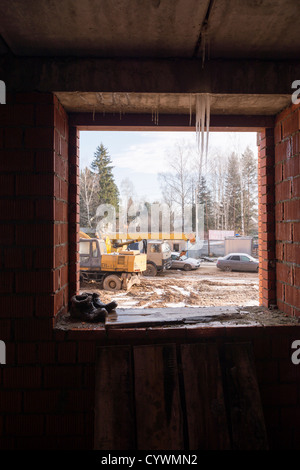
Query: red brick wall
[(47, 384), (266, 219), (74, 216), (287, 209), (42, 395)]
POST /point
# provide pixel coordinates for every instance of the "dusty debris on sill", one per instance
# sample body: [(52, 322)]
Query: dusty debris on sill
[(187, 317)]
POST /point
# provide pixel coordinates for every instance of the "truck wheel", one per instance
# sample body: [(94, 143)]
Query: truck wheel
[(151, 270), (112, 282)]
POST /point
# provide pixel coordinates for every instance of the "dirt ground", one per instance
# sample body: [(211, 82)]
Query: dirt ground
[(205, 287)]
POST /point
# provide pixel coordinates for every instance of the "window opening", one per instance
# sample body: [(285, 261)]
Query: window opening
[(144, 169)]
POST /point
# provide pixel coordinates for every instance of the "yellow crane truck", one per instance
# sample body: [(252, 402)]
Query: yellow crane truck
[(114, 271)]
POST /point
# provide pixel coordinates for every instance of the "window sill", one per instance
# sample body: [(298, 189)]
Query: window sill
[(172, 323)]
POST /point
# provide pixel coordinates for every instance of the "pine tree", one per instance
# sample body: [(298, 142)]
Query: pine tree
[(249, 175), (204, 197), (233, 194), (108, 191)]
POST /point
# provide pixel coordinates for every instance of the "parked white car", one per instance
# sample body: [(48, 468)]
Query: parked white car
[(183, 262)]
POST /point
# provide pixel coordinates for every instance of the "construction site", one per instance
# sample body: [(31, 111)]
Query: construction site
[(135, 344)]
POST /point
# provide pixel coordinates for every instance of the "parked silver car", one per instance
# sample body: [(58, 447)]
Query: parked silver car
[(238, 262), (183, 262)]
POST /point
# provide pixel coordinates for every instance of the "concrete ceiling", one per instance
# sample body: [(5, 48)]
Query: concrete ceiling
[(257, 29), (203, 30)]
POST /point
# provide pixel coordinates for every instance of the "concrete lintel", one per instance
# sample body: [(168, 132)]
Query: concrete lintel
[(147, 75), (175, 122)]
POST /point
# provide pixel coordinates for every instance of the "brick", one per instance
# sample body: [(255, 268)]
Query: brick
[(60, 120), (27, 353), (44, 257), (61, 255), (60, 166), (290, 125), (19, 209), (292, 253), (283, 190), (16, 160), (292, 295), (45, 209), (39, 138), (7, 234), (64, 425), (24, 425), (64, 190), (44, 115), (279, 211), (292, 209), (46, 352), (34, 281), (62, 376), (35, 234), (295, 183), (295, 143), (7, 185), (16, 306), (64, 273), (14, 257), (284, 273), (296, 231), (278, 172), (66, 352), (34, 185), (43, 401), (6, 282), (33, 329), (22, 377), (283, 150), (291, 167), (17, 115), (64, 148), (297, 276), (45, 160), (13, 137), (284, 231), (10, 401)]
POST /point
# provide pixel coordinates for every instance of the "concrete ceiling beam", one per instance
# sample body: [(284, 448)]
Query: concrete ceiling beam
[(148, 76)]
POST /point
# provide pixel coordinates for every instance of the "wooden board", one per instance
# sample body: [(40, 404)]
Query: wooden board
[(114, 407), (244, 404), (157, 398), (204, 399)]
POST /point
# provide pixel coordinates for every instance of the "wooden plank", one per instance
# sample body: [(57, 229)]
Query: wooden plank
[(114, 407), (204, 399), (157, 398), (248, 430)]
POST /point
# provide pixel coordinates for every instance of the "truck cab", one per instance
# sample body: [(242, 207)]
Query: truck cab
[(158, 255)]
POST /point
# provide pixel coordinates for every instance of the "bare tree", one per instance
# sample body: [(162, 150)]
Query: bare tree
[(89, 187), (176, 184)]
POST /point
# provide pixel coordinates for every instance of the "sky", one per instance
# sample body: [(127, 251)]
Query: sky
[(141, 155)]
